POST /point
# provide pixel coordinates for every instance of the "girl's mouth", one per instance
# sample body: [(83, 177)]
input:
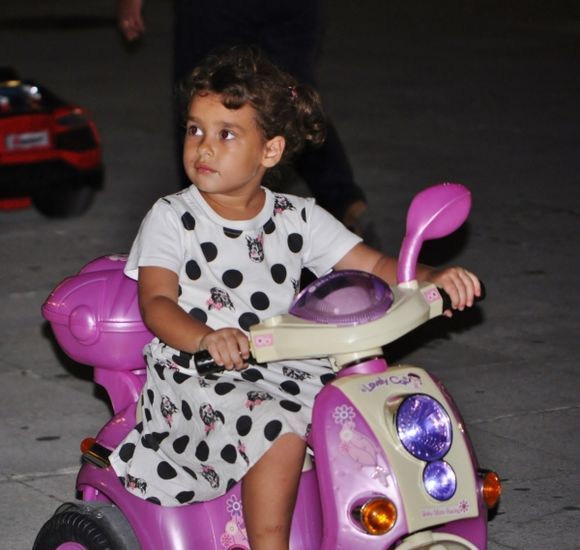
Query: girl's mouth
[(204, 169)]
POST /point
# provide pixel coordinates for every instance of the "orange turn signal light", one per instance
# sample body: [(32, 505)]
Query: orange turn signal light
[(377, 516), (491, 489), (87, 443)]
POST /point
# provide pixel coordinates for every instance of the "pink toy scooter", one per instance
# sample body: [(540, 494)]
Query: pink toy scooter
[(391, 463)]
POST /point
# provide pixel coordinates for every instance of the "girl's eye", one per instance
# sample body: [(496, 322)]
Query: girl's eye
[(226, 135), (193, 130)]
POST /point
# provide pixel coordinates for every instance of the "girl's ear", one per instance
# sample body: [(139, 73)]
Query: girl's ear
[(273, 151)]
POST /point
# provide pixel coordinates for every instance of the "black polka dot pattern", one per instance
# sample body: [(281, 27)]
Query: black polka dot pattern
[(231, 483), (188, 221), (198, 314), (180, 444), (186, 410), (232, 233), (153, 440), (202, 451), (229, 454), (295, 242), (272, 430), (248, 319), (252, 375), (180, 377), (126, 452), (244, 425), (166, 470), (209, 251), (160, 370), (224, 388), (232, 278), (278, 272), (182, 359), (290, 387), (291, 406), (185, 496), (269, 227), (260, 301), (326, 378), (193, 270)]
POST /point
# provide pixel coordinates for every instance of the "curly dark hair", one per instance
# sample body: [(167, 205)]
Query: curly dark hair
[(243, 75)]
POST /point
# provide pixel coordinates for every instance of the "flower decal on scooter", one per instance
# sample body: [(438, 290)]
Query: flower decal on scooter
[(235, 535), (343, 414), (357, 445)]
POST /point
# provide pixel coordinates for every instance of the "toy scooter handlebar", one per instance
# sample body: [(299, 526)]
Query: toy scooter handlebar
[(205, 365)]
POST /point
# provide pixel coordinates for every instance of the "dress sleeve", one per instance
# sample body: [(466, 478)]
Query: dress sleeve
[(327, 239), (159, 241)]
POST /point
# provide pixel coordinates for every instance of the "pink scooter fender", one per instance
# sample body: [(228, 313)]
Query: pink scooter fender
[(355, 469)]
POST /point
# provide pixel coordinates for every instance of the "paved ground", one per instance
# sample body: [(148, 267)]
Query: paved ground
[(484, 93)]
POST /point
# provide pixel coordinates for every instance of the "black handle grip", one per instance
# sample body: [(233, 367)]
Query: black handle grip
[(447, 299), (204, 363)]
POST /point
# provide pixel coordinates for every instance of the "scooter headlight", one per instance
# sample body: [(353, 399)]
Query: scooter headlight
[(424, 427), (439, 480)]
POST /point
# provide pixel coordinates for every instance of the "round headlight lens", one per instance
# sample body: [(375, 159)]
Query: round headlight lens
[(439, 480), (424, 427)]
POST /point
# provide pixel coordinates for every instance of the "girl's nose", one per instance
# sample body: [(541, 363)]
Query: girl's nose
[(205, 147)]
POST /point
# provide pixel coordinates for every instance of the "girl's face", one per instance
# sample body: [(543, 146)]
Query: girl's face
[(225, 152)]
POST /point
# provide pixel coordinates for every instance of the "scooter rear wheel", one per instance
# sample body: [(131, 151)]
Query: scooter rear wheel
[(74, 527)]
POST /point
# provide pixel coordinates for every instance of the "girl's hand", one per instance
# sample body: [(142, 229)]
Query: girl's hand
[(229, 348), (461, 285)]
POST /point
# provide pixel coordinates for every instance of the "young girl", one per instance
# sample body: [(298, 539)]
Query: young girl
[(211, 261)]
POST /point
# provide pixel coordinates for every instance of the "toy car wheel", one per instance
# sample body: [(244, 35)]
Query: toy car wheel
[(64, 200), (86, 527)]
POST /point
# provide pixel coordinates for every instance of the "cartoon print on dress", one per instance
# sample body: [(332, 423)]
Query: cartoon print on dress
[(256, 398), (209, 416), (242, 451), (295, 285), (163, 363), (358, 446), (167, 409), (281, 204), (256, 247), (136, 483), (211, 476), (219, 298), (295, 374), (234, 535)]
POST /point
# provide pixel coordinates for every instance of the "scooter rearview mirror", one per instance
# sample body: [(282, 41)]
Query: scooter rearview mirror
[(435, 212)]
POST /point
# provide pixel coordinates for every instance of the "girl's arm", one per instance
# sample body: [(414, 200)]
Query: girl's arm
[(461, 285), (158, 292)]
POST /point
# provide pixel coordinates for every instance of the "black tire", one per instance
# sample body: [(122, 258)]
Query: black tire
[(64, 200), (98, 527)]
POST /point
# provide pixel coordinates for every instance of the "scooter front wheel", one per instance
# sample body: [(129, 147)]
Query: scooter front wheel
[(85, 527)]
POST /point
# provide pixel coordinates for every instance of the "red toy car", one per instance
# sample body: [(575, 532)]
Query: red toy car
[(50, 150)]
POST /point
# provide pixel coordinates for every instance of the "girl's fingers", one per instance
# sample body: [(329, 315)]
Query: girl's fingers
[(461, 285), (229, 348)]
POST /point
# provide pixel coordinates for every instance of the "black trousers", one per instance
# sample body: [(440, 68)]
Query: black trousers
[(289, 32)]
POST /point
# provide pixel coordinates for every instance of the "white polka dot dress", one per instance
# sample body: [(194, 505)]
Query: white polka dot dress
[(199, 436)]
